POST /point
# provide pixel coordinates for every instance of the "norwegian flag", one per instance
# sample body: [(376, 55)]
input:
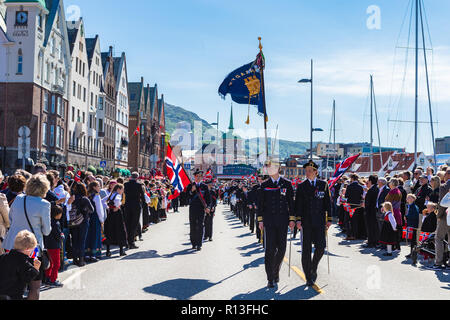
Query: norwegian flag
[(407, 233), (341, 169), (78, 176), (208, 175), (424, 236), (176, 173), (349, 209)]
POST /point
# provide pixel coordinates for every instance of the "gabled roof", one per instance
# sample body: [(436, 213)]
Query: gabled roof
[(90, 48), (52, 6), (72, 33), (134, 97), (153, 98), (363, 162), (117, 68), (400, 162), (146, 98), (160, 108)]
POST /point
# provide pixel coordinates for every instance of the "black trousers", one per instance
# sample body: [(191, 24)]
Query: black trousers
[(175, 203), (145, 216), (132, 222), (258, 232), (196, 220), (372, 228), (275, 250), (348, 225), (245, 215), (209, 225), (252, 219), (312, 235)]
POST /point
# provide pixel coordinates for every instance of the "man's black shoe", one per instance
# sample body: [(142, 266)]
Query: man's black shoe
[(133, 246), (309, 283), (210, 239), (199, 248), (270, 284)]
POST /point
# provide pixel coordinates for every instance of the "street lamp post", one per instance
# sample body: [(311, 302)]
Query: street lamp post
[(312, 104)]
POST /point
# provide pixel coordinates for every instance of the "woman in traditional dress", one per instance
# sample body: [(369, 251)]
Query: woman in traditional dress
[(115, 230), (389, 235), (395, 198), (94, 237)]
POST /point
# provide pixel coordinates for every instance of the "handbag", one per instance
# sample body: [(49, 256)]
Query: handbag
[(45, 263), (75, 217)]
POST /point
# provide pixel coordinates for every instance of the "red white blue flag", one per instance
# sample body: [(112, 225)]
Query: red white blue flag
[(208, 175), (341, 169), (176, 173)]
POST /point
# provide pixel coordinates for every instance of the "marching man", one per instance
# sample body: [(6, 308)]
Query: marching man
[(275, 212), (199, 205), (312, 203)]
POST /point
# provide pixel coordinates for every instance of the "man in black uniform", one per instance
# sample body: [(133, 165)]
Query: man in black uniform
[(196, 192), (312, 203), (275, 213), (354, 196), (244, 204), (252, 199), (210, 217), (134, 200)]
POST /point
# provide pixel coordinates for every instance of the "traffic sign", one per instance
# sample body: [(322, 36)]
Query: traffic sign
[(103, 164), (187, 166)]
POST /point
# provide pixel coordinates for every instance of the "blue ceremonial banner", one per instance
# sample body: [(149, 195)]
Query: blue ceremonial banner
[(244, 86)]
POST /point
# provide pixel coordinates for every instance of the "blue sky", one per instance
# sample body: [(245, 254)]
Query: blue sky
[(188, 47)]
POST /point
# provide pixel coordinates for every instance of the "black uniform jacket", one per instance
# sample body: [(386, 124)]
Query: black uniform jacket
[(354, 194), (194, 197), (371, 201), (134, 194), (253, 196), (312, 203), (275, 206)]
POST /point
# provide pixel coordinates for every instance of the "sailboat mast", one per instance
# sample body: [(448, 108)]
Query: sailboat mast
[(371, 123), (334, 133), (428, 90), (417, 85)]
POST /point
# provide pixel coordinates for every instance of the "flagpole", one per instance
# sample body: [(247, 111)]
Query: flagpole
[(264, 100)]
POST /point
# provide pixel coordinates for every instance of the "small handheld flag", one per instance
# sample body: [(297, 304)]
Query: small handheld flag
[(35, 253)]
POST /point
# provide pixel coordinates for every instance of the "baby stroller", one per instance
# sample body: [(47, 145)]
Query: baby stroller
[(427, 249)]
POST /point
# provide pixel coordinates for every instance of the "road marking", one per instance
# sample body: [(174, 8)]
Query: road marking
[(74, 276), (302, 275)]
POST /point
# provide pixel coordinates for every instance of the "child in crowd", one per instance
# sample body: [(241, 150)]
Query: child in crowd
[(53, 244), (412, 218), (18, 268), (429, 222), (389, 230)]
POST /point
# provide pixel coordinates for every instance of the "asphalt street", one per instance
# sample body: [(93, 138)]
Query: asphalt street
[(231, 267)]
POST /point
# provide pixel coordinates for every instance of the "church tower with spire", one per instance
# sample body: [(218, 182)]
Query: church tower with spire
[(232, 145)]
